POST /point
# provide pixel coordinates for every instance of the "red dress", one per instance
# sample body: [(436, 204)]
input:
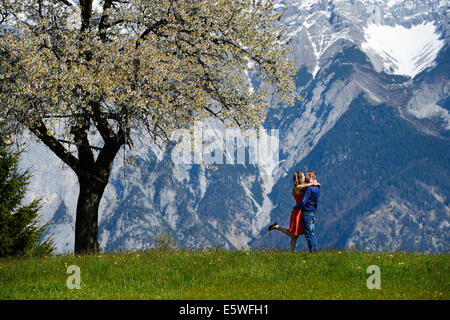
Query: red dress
[(296, 225)]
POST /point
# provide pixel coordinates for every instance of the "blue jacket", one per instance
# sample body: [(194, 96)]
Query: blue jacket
[(310, 199)]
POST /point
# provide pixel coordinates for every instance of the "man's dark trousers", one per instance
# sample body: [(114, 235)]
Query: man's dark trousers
[(309, 218)]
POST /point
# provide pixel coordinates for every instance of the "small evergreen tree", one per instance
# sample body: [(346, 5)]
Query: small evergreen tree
[(20, 232)]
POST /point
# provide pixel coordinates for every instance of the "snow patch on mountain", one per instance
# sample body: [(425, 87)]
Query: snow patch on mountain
[(404, 51)]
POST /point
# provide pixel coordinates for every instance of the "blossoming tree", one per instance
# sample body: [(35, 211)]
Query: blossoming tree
[(117, 67)]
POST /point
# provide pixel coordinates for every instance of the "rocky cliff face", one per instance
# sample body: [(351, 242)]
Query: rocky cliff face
[(374, 125)]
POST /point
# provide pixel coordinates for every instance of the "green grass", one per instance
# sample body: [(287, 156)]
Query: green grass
[(222, 274)]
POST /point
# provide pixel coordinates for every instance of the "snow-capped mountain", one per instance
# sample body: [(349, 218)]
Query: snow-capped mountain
[(374, 125), (400, 37)]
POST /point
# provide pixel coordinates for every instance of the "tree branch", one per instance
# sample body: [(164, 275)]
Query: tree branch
[(67, 3), (103, 25), (40, 130), (107, 154), (79, 144), (86, 12), (152, 28), (101, 123), (85, 154)]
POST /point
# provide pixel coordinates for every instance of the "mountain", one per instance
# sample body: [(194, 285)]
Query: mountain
[(374, 125)]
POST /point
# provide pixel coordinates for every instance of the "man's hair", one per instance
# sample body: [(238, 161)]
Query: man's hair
[(313, 174)]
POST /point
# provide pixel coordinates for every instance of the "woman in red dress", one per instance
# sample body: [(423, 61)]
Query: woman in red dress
[(296, 226)]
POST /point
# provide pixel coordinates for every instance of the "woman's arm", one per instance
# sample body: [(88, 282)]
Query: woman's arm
[(306, 185)]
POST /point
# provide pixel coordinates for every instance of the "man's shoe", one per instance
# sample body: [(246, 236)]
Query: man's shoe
[(272, 226)]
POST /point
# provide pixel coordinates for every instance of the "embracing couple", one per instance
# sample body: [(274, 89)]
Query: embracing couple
[(306, 192)]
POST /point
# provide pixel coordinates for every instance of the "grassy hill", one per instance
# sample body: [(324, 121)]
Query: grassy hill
[(222, 274)]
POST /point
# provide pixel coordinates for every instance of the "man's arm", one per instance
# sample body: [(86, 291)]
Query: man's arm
[(304, 199), (300, 187)]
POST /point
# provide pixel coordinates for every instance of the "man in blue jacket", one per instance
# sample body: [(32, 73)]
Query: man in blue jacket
[(309, 209)]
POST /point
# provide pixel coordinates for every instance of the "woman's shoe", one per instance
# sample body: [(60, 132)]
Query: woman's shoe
[(272, 226)]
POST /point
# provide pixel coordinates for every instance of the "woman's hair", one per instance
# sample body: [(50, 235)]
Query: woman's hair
[(298, 178)]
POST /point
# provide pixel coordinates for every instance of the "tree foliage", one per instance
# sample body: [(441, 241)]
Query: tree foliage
[(158, 65)]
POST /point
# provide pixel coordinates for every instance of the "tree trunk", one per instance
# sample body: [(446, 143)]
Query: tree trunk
[(93, 174), (93, 178), (86, 223)]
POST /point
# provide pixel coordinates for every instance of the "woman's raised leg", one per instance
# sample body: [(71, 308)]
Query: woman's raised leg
[(285, 231)]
